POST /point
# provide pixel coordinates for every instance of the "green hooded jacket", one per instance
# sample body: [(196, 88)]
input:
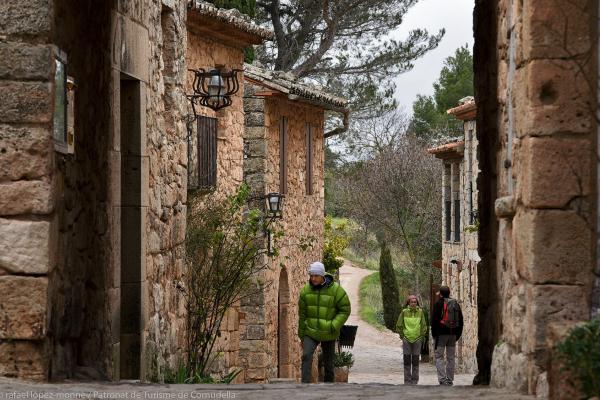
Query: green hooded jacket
[(322, 310), (415, 329)]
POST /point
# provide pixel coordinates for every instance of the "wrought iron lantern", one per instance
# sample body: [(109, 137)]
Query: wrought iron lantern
[(275, 201), (214, 88)]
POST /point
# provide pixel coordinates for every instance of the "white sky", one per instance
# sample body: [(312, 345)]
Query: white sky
[(454, 15)]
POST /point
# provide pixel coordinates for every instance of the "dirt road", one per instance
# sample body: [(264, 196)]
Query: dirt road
[(378, 354)]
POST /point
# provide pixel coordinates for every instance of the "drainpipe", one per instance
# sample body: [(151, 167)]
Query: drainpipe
[(510, 80), (595, 311)]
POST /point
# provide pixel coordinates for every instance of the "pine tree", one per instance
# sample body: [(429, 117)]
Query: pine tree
[(247, 7), (389, 288)]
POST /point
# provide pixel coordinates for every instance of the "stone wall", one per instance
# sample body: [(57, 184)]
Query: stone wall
[(207, 53), (125, 180), (204, 52), (27, 173), (543, 175), (269, 346), (163, 306)]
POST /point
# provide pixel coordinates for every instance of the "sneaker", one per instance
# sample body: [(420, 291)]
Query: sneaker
[(448, 382)]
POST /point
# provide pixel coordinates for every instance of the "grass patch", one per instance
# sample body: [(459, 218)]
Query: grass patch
[(371, 262), (371, 306)]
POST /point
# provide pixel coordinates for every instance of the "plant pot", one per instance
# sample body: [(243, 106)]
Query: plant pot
[(341, 374)]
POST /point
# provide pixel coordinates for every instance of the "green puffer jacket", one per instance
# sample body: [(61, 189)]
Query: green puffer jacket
[(322, 310), (414, 330)]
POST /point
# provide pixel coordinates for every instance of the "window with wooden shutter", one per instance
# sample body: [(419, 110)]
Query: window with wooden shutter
[(309, 159), (283, 145), (202, 166)]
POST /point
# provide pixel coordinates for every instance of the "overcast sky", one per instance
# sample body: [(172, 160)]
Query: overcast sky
[(456, 16)]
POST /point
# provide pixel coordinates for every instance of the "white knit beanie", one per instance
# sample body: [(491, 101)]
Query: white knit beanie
[(316, 268)]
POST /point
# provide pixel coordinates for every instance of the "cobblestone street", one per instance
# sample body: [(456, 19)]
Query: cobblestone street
[(10, 389)]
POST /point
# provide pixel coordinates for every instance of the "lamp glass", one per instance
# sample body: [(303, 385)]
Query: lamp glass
[(274, 202)]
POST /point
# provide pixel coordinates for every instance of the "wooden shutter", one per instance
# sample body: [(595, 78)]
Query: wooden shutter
[(283, 145), (207, 153), (309, 159)]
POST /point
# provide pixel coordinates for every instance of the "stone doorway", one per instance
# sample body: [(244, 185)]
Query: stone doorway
[(283, 328), (131, 227)]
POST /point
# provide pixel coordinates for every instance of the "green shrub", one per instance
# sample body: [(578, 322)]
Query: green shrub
[(580, 353), (343, 359), (336, 241), (330, 261)]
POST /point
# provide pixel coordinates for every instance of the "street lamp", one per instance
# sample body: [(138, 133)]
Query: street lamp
[(214, 88), (275, 202)]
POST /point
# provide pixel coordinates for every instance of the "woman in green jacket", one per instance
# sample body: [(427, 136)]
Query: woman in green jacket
[(412, 328)]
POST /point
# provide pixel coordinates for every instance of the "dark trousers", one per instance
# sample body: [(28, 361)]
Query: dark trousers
[(309, 346)]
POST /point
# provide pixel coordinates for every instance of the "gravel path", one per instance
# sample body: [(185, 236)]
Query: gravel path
[(378, 354)]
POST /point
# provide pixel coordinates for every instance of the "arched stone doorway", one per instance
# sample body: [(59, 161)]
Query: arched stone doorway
[(284, 369)]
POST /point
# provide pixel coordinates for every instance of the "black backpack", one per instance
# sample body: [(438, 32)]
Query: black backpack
[(450, 313)]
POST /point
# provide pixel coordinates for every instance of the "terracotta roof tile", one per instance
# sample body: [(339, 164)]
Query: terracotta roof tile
[(288, 84)]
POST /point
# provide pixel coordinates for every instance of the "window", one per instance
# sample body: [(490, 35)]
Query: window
[(60, 102), (447, 204), (202, 169), (448, 219), (456, 198), (309, 159), (457, 220), (283, 139)]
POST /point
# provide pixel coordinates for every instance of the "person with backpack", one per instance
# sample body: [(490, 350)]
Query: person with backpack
[(412, 328), (323, 308), (446, 328)]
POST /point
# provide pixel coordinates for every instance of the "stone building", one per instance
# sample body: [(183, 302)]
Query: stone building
[(284, 141), (459, 227), (536, 81), (94, 189), (216, 39), (79, 231)]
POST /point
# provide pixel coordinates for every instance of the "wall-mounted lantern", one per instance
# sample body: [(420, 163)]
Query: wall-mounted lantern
[(214, 88), (275, 202)]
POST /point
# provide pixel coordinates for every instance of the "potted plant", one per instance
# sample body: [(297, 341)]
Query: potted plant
[(342, 363)]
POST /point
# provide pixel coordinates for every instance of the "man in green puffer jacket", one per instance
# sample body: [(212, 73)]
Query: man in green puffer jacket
[(323, 307)]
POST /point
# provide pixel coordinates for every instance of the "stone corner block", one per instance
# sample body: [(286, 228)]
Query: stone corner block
[(23, 307), (552, 309), (24, 359), (553, 246), (26, 102), (27, 246), (546, 162), (31, 18), (26, 197)]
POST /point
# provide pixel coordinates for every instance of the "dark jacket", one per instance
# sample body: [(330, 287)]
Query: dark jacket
[(322, 310), (437, 328)]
